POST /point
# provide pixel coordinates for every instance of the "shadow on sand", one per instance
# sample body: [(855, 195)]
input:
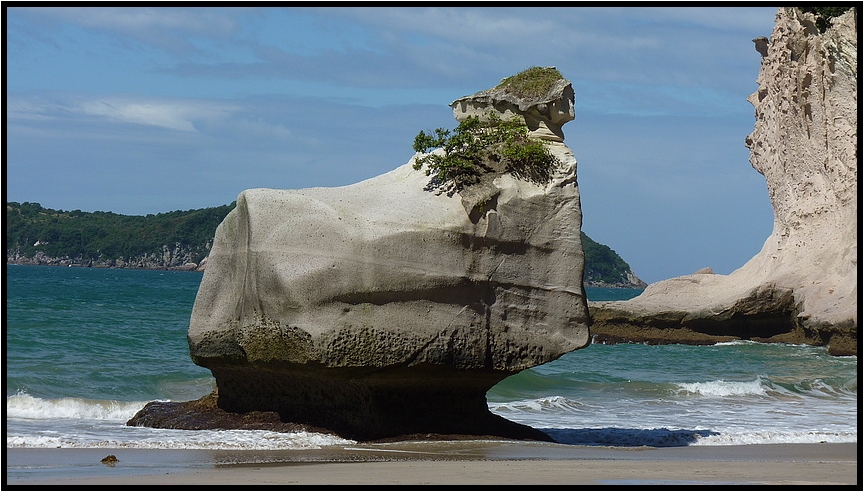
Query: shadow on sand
[(611, 436)]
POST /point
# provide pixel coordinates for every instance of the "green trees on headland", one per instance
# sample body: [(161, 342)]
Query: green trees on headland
[(31, 229), (603, 266)]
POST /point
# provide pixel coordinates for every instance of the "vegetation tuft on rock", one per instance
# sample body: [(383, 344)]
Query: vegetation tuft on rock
[(532, 83)]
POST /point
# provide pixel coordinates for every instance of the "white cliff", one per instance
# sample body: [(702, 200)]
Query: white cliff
[(802, 287)]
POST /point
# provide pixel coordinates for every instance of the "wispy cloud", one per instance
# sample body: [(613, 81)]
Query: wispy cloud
[(165, 28), (478, 27), (160, 114), (621, 45), (173, 114)]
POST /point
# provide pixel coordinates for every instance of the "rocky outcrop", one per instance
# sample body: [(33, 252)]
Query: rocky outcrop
[(629, 280), (544, 114), (802, 287), (176, 257), (385, 308)]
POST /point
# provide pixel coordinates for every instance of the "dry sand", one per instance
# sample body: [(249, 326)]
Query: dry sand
[(487, 463)]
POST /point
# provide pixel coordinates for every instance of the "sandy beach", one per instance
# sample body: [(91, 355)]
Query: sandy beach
[(487, 463)]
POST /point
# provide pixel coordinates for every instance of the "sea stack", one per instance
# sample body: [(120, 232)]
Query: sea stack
[(389, 307), (802, 287)]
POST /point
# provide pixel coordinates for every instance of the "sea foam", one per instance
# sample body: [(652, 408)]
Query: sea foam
[(148, 438), (721, 388), (23, 406)]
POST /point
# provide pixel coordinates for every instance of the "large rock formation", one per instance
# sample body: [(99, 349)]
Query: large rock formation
[(386, 308), (802, 287)]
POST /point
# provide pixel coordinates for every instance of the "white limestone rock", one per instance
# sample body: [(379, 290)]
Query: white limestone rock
[(385, 307), (805, 143), (385, 259)]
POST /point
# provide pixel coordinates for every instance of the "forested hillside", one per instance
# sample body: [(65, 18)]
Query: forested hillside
[(178, 240), (603, 266), (41, 235)]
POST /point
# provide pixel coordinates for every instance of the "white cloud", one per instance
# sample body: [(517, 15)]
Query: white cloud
[(646, 46), (171, 29), (544, 28), (141, 19), (475, 26), (161, 115), (32, 109), (172, 114)]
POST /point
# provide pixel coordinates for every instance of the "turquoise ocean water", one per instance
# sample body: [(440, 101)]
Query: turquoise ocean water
[(87, 348)]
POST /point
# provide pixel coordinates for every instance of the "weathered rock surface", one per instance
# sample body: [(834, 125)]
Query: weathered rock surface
[(544, 114), (382, 308), (802, 287)]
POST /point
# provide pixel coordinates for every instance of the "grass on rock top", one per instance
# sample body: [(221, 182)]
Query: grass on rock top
[(531, 83)]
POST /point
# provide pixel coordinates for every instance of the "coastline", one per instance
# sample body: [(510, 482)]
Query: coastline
[(109, 264), (487, 463)]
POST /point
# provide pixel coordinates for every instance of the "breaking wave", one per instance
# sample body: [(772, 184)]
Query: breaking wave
[(722, 388), (23, 406), (148, 438)]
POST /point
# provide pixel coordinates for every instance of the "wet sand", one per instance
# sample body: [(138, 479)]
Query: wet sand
[(487, 463)]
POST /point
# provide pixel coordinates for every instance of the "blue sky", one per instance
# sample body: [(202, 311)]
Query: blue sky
[(148, 110)]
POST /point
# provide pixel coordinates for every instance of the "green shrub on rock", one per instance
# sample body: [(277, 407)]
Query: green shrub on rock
[(475, 148)]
